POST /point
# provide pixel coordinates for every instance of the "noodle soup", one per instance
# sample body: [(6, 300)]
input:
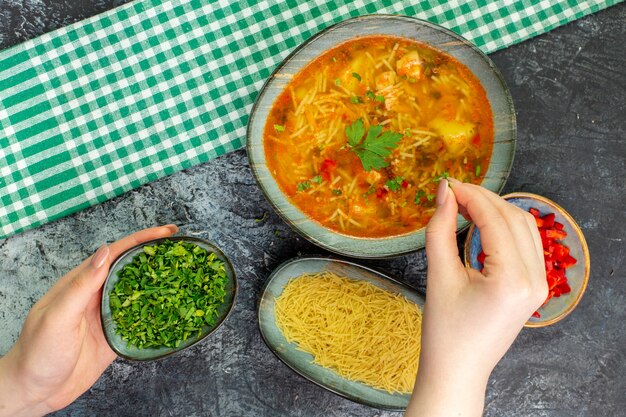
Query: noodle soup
[(359, 139)]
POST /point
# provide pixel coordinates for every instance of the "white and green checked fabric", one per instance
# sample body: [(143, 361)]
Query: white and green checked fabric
[(97, 108)]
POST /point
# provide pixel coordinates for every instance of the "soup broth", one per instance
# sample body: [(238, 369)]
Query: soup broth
[(359, 139)]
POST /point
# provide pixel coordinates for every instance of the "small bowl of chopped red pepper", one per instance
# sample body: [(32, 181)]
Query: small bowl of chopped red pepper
[(565, 251)]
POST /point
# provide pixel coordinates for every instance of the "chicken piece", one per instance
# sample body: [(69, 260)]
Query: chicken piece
[(456, 135), (410, 65), (385, 79)]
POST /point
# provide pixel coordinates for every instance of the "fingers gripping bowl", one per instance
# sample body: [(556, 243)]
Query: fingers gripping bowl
[(565, 250), (349, 150)]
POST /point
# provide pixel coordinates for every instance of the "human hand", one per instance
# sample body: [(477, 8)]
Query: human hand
[(472, 318), (61, 350)]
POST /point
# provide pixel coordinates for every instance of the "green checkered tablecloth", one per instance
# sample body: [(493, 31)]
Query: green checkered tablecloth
[(97, 108)]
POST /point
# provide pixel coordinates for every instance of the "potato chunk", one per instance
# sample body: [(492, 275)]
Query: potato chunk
[(456, 135)]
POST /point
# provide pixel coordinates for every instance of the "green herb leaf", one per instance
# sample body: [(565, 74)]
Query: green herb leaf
[(279, 128), (408, 133), (443, 175), (304, 185), (336, 191), (419, 195), (369, 94), (356, 100), (317, 179), (380, 99), (355, 132), (376, 146), (167, 293), (394, 184), (357, 76), (477, 170), (430, 197), (337, 82)]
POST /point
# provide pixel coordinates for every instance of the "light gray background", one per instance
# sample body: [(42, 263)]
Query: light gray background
[(569, 87)]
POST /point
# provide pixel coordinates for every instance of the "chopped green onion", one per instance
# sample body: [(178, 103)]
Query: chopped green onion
[(369, 192), (355, 100), (279, 128), (418, 196), (357, 76), (395, 184), (477, 170), (336, 191), (443, 176), (304, 185), (167, 294)]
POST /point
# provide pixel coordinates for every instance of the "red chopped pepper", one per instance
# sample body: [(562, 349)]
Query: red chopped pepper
[(328, 166), (381, 192), (548, 220), (481, 257), (555, 234), (556, 254)]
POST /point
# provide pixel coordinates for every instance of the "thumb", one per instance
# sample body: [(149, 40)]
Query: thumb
[(441, 249), (74, 299)]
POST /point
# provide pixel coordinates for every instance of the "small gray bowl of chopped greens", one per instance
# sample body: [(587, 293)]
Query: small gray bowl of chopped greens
[(165, 295)]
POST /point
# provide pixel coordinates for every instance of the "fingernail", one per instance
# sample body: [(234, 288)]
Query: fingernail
[(172, 227), (442, 192), (100, 256), (454, 180)]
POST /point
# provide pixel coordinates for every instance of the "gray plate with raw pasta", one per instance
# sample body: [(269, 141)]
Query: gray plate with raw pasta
[(302, 362)]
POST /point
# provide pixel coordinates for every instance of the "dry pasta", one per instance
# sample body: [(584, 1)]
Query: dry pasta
[(358, 330)]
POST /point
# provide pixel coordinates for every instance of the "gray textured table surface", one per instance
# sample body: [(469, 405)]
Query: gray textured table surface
[(569, 88)]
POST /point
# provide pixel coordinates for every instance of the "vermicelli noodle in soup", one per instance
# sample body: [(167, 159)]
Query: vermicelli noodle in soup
[(359, 139)]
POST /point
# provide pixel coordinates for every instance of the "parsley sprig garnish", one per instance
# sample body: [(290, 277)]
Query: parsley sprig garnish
[(376, 146)]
